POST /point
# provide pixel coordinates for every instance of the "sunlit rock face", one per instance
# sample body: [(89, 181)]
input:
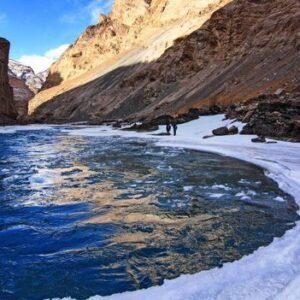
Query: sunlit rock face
[(7, 108), (33, 80), (236, 52), (147, 26)]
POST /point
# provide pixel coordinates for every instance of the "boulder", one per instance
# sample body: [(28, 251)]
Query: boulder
[(221, 131), (259, 139), (233, 130), (145, 127)]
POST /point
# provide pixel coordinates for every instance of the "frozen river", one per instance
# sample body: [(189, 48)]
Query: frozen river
[(84, 214)]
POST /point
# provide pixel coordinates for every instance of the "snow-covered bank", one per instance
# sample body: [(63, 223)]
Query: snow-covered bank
[(271, 272)]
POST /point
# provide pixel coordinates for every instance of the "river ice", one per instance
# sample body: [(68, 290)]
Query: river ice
[(271, 272)]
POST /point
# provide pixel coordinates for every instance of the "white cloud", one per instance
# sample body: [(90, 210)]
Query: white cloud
[(40, 63)]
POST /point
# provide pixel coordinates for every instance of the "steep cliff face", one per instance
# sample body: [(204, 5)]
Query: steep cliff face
[(7, 108), (147, 26), (246, 48), (22, 95), (25, 73), (25, 84)]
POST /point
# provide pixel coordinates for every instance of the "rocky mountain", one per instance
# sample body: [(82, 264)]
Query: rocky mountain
[(231, 51), (146, 26), (7, 109), (32, 80), (25, 84)]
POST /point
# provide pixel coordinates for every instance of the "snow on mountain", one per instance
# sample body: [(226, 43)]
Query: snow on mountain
[(27, 74), (25, 84)]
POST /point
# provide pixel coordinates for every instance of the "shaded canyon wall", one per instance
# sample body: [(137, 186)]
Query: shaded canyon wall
[(7, 108)]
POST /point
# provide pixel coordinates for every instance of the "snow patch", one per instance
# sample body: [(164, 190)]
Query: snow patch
[(280, 199)]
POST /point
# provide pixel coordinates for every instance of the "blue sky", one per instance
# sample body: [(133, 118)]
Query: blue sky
[(39, 30)]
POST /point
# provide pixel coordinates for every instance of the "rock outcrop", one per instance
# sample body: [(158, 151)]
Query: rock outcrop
[(7, 109), (244, 49), (22, 95), (25, 84), (25, 73), (146, 26), (273, 115)]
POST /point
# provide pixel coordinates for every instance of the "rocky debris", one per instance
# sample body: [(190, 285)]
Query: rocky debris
[(192, 114), (246, 48), (144, 127), (260, 139), (7, 108), (271, 115)]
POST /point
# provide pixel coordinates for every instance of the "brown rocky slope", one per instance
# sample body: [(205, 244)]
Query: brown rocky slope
[(7, 109), (147, 26), (245, 49)]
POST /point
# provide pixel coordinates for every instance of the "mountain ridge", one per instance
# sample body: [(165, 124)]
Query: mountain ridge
[(244, 48)]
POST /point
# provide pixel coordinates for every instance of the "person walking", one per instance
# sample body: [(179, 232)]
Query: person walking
[(168, 128), (174, 125)]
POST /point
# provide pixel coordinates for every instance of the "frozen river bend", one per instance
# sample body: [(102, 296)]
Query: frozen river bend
[(87, 211)]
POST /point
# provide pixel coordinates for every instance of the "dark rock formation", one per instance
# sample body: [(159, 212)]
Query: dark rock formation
[(273, 115), (22, 95), (260, 139), (25, 84), (7, 109), (221, 131), (224, 131), (145, 127), (233, 130)]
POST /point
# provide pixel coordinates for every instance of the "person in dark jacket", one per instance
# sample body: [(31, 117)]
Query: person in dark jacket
[(174, 125), (168, 127)]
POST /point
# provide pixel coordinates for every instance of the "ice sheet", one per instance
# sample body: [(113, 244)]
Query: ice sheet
[(271, 272)]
